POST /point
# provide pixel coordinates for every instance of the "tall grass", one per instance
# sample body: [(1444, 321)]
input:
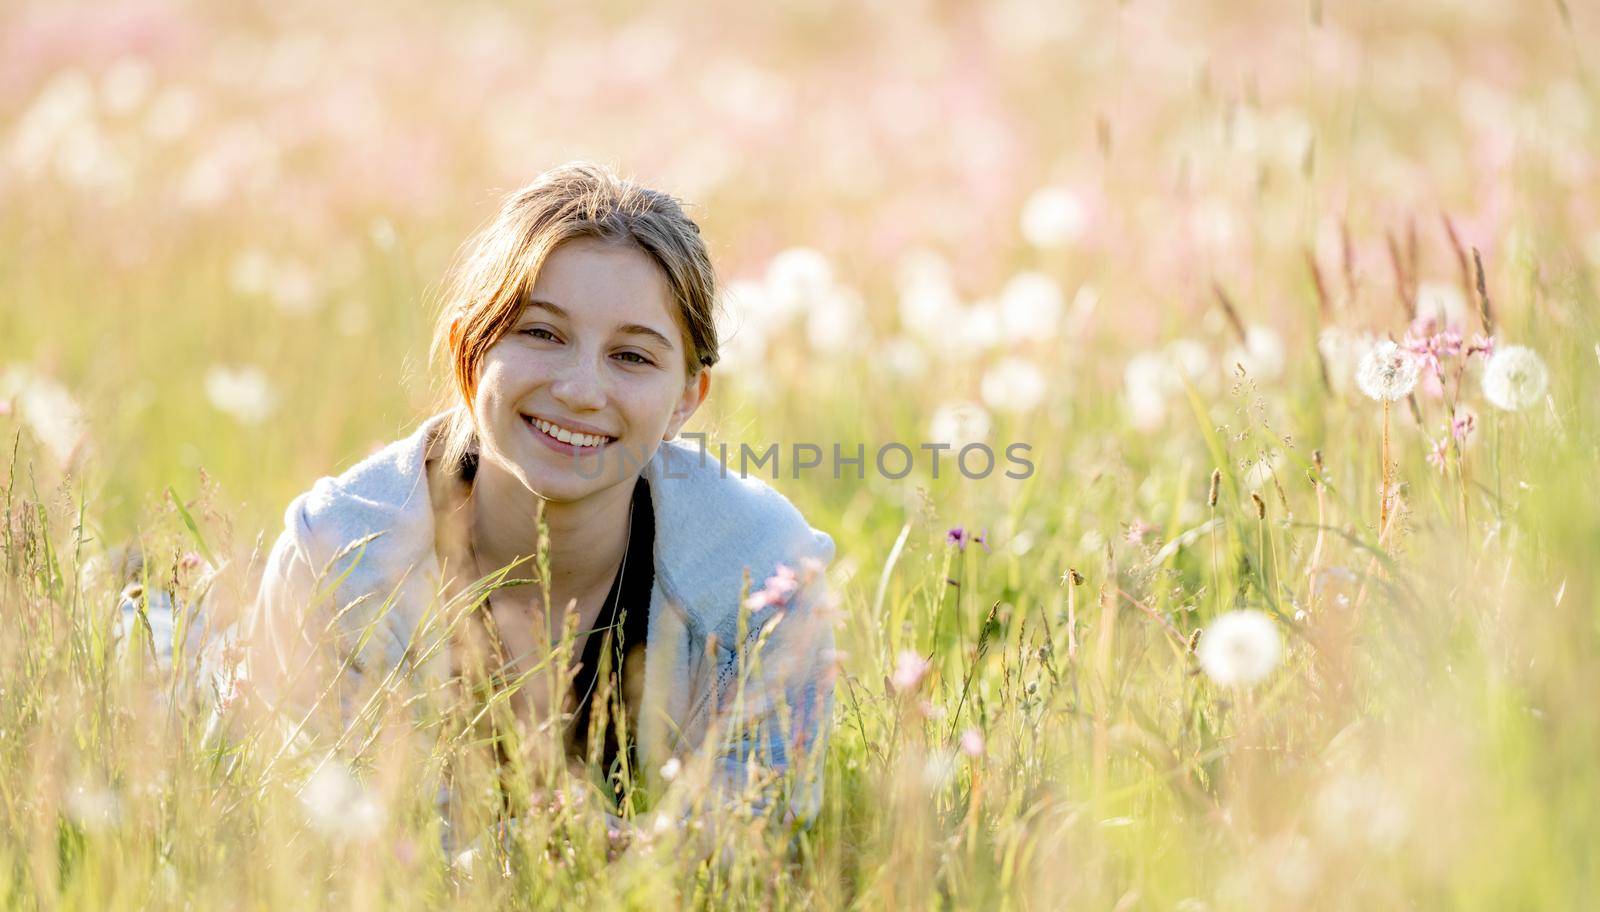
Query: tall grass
[(220, 229)]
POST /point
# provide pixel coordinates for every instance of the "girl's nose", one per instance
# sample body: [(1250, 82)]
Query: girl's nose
[(580, 387)]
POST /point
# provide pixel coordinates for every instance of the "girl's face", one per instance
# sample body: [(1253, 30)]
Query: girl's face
[(596, 352)]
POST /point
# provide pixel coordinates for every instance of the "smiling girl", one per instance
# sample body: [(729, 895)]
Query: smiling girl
[(579, 335)]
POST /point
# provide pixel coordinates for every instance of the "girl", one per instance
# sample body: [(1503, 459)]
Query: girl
[(579, 337)]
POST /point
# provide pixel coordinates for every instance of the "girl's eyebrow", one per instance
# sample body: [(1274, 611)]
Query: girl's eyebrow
[(631, 329)]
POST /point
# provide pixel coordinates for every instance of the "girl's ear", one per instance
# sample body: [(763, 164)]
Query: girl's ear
[(694, 393)]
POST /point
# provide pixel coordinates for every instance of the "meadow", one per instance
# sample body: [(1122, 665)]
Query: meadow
[(1294, 306)]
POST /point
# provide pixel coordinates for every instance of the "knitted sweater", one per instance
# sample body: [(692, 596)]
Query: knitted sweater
[(358, 552)]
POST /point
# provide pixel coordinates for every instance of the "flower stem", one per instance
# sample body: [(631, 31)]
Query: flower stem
[(1383, 492)]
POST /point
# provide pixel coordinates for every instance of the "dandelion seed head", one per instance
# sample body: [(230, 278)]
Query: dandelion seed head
[(1239, 648), (1262, 353), (1013, 385), (338, 806), (939, 770), (1388, 372), (1030, 307), (1514, 378), (51, 413), (244, 393), (959, 423), (1054, 217)]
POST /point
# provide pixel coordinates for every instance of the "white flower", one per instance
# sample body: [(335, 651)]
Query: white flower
[(1261, 355), (1239, 648), (1362, 807), (337, 805), (671, 769), (93, 808), (1514, 378), (939, 769), (1147, 380), (959, 423), (53, 416), (1030, 307), (928, 297), (796, 278), (172, 113), (1189, 358), (1151, 378), (978, 331), (904, 357), (1388, 372), (1441, 302), (126, 84), (251, 272), (1054, 217), (1342, 352), (1013, 385), (245, 393), (834, 322)]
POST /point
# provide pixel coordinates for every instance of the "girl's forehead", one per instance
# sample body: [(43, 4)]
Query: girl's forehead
[(585, 276)]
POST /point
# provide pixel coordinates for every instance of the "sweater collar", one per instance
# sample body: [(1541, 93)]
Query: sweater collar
[(712, 526)]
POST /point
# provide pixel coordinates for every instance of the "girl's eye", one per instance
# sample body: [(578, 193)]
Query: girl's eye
[(536, 330), (641, 358)]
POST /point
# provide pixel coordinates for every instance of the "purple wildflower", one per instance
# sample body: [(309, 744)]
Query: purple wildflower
[(961, 537)]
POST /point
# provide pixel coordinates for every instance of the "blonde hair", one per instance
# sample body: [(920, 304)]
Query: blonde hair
[(489, 287)]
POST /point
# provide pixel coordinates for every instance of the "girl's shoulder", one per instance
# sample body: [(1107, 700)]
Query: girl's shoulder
[(380, 506), (716, 528)]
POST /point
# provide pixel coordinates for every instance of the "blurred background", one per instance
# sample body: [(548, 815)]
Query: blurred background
[(1152, 239), (224, 224)]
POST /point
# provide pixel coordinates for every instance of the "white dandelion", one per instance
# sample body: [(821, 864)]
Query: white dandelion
[(1388, 372), (797, 277), (959, 423), (1030, 307), (1147, 379), (1013, 385), (53, 416), (1261, 355), (835, 323), (1342, 351), (1054, 217), (904, 357), (928, 299), (339, 806), (1443, 303), (671, 769), (1239, 648), (1514, 378), (244, 393)]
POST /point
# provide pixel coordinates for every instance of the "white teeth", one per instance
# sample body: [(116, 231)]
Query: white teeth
[(566, 436)]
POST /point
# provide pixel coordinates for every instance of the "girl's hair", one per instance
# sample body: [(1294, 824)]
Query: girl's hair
[(492, 280)]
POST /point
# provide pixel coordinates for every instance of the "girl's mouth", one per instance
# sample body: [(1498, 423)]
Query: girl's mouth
[(574, 445)]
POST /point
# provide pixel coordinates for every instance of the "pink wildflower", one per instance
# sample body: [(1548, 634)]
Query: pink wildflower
[(1137, 531), (909, 670), (779, 587), (1482, 346), (1436, 453), (1463, 425), (972, 742)]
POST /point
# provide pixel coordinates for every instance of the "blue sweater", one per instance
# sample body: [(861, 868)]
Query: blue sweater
[(358, 553)]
